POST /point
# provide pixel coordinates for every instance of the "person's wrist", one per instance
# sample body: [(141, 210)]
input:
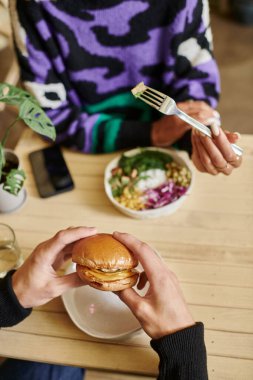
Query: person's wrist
[(18, 288), (169, 328)]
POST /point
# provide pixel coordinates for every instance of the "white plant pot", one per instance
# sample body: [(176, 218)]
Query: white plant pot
[(10, 202)]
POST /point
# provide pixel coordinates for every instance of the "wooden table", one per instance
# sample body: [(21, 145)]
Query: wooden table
[(208, 243)]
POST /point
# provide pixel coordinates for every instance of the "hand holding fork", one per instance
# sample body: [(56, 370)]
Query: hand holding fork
[(212, 155)]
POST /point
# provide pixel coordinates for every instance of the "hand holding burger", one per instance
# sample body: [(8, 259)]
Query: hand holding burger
[(105, 263), (37, 281), (162, 310)]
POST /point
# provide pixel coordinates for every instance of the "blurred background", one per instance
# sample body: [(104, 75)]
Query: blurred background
[(232, 26)]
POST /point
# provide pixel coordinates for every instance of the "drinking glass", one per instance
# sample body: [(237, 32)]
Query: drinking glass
[(10, 253)]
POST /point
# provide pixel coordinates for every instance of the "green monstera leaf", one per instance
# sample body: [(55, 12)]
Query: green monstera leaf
[(13, 95), (29, 110), (36, 119), (14, 181)]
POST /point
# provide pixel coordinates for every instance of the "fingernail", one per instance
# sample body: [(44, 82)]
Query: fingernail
[(119, 233), (215, 130), (213, 121), (237, 134), (216, 114)]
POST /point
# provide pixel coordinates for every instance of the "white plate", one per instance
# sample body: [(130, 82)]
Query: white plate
[(99, 314), (181, 157)]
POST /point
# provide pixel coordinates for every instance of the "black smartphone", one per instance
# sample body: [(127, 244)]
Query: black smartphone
[(50, 171)]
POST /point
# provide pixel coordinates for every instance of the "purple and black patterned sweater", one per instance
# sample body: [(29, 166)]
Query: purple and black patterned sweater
[(81, 58)]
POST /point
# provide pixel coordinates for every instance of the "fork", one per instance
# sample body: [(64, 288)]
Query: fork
[(167, 106)]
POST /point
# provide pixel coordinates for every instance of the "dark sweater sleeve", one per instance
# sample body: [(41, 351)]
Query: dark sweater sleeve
[(182, 354), (11, 312)]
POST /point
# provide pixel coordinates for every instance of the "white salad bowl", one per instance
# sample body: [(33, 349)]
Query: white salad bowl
[(180, 157)]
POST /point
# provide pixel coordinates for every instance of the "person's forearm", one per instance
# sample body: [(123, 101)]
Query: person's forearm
[(182, 354)]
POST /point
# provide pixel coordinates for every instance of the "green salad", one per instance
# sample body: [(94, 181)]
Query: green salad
[(148, 179)]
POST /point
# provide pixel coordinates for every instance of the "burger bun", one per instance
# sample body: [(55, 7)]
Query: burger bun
[(105, 263)]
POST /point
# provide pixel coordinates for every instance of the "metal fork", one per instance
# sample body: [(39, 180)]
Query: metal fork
[(167, 106)]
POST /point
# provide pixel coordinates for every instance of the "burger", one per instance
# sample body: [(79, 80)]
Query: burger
[(105, 263)]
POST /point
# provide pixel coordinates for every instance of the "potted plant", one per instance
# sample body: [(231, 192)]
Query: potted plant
[(11, 175)]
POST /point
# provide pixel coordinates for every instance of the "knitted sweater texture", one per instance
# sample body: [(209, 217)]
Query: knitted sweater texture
[(81, 59), (11, 312)]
